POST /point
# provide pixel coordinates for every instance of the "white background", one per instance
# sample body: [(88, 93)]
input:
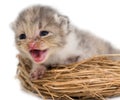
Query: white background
[(101, 17)]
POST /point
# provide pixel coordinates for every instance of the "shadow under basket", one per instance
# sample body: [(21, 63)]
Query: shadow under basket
[(92, 79)]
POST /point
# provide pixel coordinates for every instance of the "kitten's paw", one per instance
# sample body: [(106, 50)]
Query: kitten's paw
[(38, 72)]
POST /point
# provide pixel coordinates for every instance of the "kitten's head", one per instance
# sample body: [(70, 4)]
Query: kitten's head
[(39, 32)]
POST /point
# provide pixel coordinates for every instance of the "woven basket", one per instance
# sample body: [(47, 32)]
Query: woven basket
[(94, 78)]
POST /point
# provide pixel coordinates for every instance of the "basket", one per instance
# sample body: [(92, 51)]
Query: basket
[(94, 78)]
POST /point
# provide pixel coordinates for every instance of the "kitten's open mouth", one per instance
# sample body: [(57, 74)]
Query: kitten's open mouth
[(38, 55)]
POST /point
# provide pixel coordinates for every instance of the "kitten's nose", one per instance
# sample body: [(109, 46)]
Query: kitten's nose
[(32, 45)]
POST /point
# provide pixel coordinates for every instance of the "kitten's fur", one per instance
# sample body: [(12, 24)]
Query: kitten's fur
[(65, 44)]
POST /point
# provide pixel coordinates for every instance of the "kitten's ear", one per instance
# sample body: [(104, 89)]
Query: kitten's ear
[(13, 26), (63, 21)]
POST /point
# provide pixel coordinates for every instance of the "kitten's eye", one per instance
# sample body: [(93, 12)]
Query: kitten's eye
[(22, 36), (44, 33)]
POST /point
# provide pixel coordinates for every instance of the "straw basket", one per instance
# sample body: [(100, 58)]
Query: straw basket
[(94, 78)]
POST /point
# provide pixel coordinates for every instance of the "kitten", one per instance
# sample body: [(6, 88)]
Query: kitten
[(46, 37)]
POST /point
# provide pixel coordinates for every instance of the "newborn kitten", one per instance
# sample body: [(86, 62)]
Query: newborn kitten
[(46, 37)]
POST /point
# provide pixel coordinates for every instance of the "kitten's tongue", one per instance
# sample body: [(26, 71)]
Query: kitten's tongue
[(38, 55)]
